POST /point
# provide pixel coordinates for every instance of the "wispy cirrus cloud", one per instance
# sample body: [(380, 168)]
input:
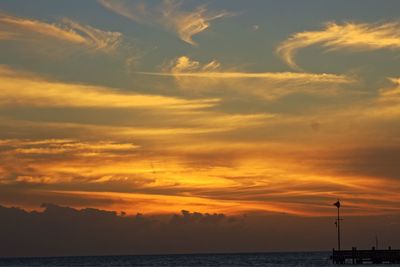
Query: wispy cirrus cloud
[(186, 67), (354, 36), (65, 146), (393, 92), (268, 85), (25, 29), (169, 15), (387, 104)]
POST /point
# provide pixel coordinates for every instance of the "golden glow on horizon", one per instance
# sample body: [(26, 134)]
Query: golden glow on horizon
[(176, 180)]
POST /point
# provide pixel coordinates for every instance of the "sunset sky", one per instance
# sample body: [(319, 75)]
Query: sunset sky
[(228, 106)]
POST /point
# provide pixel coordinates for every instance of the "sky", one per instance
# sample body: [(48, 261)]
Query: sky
[(271, 108)]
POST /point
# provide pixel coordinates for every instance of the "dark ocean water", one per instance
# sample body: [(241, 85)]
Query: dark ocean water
[(256, 259)]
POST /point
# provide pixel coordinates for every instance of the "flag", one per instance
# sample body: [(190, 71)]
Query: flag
[(337, 204)]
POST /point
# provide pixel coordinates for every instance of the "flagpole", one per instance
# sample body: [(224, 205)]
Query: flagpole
[(338, 226), (337, 204)]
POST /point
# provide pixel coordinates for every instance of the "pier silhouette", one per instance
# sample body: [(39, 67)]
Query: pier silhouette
[(354, 256)]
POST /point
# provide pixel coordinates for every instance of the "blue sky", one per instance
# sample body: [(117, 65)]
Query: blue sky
[(254, 50)]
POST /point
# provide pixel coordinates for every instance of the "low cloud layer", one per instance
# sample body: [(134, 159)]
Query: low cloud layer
[(63, 231)]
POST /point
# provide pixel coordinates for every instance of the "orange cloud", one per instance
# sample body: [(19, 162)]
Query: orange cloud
[(154, 179)]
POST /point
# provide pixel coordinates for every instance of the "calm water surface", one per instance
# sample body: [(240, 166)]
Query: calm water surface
[(257, 259)]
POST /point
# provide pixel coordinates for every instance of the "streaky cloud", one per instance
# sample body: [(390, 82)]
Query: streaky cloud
[(32, 90), (283, 76), (25, 29), (168, 15), (7, 36), (350, 35), (186, 67), (190, 73)]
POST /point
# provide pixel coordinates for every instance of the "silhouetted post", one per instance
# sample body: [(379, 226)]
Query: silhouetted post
[(337, 204)]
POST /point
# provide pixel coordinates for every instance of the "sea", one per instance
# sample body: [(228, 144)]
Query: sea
[(204, 260)]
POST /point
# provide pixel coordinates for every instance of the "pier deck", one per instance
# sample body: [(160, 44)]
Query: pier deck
[(374, 256)]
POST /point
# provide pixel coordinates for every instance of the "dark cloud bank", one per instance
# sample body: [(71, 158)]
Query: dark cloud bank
[(62, 231)]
